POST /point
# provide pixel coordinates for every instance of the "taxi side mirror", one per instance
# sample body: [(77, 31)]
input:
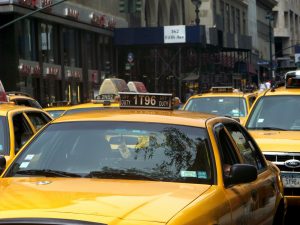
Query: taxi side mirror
[(2, 163), (242, 173)]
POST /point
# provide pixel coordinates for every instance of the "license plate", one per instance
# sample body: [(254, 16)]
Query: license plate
[(291, 180)]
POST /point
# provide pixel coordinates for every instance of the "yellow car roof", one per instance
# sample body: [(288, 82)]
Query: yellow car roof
[(56, 108), (6, 107), (225, 94), (282, 91), (93, 105), (141, 115)]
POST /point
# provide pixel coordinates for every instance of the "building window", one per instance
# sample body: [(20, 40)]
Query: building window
[(49, 43), (27, 39), (244, 24), (233, 19), (71, 46), (90, 51), (222, 10), (228, 17), (238, 21)]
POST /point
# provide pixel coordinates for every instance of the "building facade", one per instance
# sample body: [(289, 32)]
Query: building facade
[(59, 53), (286, 33)]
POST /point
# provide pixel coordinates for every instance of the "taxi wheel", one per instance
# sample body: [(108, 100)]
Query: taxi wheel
[(279, 218)]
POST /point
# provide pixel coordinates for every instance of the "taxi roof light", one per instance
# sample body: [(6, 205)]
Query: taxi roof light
[(3, 96), (292, 79), (224, 89)]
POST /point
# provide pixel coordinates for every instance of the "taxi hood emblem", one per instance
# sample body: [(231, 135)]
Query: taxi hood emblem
[(292, 163)]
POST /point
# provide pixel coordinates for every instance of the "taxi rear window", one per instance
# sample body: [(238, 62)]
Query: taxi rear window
[(121, 150)]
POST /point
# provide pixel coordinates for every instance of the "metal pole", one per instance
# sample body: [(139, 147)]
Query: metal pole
[(29, 14), (270, 40)]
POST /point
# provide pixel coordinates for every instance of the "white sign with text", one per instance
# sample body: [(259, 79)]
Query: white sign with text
[(174, 34)]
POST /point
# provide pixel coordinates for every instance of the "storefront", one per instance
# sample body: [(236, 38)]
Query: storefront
[(57, 54)]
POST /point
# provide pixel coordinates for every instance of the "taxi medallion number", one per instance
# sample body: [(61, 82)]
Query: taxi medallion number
[(147, 100), (291, 180)]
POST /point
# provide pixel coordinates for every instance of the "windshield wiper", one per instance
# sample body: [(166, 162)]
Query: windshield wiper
[(115, 174), (266, 128), (48, 173)]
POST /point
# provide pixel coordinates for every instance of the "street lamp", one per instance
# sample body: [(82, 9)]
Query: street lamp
[(197, 4), (270, 17)]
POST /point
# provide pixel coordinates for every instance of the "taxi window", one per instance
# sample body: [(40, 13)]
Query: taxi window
[(28, 102), (55, 113), (268, 113), (38, 119), (22, 130), (3, 136), (246, 146), (121, 150), (225, 106)]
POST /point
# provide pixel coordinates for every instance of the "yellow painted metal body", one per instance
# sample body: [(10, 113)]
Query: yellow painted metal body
[(8, 111), (281, 142), (129, 202)]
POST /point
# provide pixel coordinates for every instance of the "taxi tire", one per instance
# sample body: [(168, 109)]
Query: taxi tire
[(279, 218)]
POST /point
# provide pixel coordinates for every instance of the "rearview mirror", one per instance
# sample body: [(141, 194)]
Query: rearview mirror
[(242, 173)]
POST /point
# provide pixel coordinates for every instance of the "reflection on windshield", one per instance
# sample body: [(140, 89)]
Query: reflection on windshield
[(225, 106), (55, 113), (104, 149), (276, 113)]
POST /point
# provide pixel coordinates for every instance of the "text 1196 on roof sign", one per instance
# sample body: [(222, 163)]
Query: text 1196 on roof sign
[(145, 100)]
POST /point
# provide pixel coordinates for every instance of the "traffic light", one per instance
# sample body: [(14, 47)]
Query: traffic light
[(138, 6), (123, 6)]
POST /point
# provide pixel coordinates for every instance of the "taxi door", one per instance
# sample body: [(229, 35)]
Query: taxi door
[(263, 189), (238, 195)]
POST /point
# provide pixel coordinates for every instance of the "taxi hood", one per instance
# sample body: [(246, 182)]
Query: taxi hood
[(106, 200), (277, 141)]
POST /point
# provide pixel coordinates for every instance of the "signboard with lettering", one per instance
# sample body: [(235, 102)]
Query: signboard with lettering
[(145, 100), (174, 34)]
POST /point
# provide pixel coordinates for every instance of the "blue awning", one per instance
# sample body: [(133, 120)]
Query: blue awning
[(155, 36)]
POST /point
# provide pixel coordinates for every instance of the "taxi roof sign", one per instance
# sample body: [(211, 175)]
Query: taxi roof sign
[(3, 96), (137, 86), (113, 86), (292, 79), (145, 100), (224, 89)]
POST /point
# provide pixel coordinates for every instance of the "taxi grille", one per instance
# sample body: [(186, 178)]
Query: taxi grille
[(45, 221), (279, 160)]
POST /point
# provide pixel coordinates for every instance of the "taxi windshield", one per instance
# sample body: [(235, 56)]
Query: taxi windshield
[(275, 113), (225, 106), (3, 136), (118, 150)]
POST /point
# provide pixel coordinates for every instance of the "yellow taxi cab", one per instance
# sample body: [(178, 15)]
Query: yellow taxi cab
[(18, 124), (274, 122), (142, 164), (57, 109), (225, 101), (20, 98)]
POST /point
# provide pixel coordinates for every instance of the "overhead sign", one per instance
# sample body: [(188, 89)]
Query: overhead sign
[(174, 34)]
